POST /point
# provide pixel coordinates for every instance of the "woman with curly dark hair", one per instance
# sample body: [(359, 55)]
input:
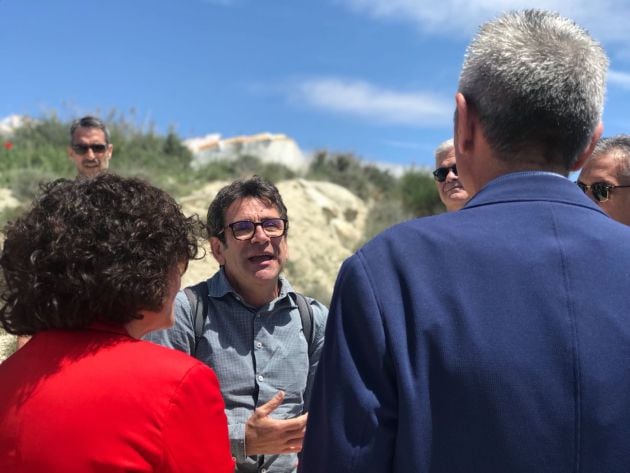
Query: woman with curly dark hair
[(91, 268)]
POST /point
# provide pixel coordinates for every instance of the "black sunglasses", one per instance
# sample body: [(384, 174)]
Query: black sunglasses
[(97, 148), (246, 229), (600, 190), (440, 173)]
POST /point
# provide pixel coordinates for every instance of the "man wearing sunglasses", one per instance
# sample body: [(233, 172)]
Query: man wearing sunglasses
[(89, 148), (253, 336), (606, 177), (452, 192), (496, 338)]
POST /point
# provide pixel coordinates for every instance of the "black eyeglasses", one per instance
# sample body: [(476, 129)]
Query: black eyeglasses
[(440, 173), (600, 190), (97, 148), (245, 229)]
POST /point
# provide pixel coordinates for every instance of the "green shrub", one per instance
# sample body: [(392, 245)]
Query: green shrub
[(25, 184), (242, 167), (365, 181), (384, 214), (419, 195)]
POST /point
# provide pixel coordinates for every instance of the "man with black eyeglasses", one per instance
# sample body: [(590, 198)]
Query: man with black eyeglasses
[(451, 190), (606, 177), (89, 148), (247, 323)]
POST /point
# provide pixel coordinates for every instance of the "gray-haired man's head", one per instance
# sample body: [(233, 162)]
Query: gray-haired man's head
[(90, 148), (452, 192), (536, 81), (606, 177)]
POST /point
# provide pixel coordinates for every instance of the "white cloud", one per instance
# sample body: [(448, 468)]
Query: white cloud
[(11, 123), (369, 102), (607, 19), (622, 79)]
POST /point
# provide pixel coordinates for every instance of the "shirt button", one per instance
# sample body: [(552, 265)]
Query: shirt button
[(260, 377), (263, 470), (258, 345)]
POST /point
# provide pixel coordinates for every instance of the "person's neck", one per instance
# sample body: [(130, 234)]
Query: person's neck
[(135, 330), (258, 295), (138, 328), (495, 167)]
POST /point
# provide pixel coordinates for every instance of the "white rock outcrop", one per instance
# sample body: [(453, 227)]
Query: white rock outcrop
[(10, 123), (7, 200), (7, 344), (268, 147)]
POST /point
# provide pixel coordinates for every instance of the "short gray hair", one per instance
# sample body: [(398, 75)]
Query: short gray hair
[(619, 145), (89, 122), (443, 149), (536, 81)]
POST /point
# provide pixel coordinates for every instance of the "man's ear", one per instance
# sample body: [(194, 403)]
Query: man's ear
[(464, 131), (217, 247), (589, 149)]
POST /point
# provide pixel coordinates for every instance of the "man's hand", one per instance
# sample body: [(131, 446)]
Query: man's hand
[(264, 435)]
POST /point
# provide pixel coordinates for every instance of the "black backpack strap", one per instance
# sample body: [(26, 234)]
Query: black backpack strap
[(306, 315), (198, 298)]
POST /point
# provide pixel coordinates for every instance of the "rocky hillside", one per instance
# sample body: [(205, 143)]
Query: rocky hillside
[(327, 223)]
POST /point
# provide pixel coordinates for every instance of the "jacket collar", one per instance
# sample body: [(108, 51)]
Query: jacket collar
[(531, 186)]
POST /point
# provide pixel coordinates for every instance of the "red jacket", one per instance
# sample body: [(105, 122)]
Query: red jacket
[(98, 400)]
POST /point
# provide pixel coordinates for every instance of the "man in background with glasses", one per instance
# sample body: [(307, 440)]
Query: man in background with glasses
[(89, 148), (452, 192), (496, 338), (606, 177), (252, 334)]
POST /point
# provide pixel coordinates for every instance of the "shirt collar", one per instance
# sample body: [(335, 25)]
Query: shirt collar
[(219, 286)]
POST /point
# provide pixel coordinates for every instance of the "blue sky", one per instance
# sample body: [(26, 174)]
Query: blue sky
[(372, 77)]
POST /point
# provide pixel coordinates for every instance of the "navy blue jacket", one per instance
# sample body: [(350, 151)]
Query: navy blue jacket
[(492, 339)]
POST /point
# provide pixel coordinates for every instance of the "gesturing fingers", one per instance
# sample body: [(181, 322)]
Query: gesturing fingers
[(268, 435), (270, 406)]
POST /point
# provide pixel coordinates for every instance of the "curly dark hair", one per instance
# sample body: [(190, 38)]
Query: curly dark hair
[(99, 249), (255, 187)]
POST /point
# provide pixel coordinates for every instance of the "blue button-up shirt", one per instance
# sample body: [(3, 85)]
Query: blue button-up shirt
[(255, 352)]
